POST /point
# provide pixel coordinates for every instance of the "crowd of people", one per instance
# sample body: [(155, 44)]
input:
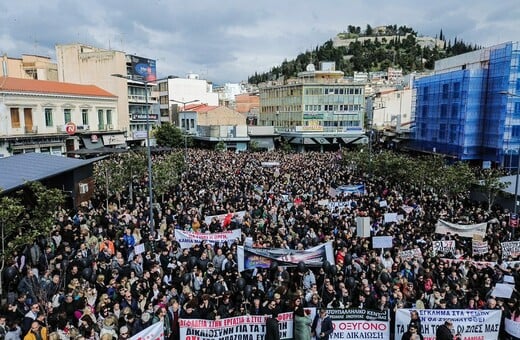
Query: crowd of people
[(86, 281)]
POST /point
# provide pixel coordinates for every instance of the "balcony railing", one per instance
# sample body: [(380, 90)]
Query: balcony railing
[(31, 129)]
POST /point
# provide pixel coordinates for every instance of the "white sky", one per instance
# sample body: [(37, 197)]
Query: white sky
[(229, 40)]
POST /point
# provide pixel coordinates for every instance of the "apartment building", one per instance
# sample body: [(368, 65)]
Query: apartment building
[(469, 109), (55, 117), (319, 109)]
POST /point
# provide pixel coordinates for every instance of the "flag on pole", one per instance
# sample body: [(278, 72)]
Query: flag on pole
[(154, 332)]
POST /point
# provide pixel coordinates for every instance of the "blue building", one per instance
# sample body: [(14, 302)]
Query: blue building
[(469, 108)]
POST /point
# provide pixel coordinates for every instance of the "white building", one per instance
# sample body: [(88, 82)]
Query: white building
[(176, 93), (40, 116)]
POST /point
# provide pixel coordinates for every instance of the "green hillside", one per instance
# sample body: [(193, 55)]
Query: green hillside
[(391, 46)]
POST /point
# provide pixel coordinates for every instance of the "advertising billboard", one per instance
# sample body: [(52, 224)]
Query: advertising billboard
[(142, 69)]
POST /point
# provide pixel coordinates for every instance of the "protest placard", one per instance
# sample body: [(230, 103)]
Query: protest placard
[(478, 324)]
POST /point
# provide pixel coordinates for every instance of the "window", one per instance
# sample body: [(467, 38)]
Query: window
[(456, 90), (518, 85), (109, 117), (515, 131), (444, 111), (425, 111), (454, 111), (48, 117), (445, 90), (425, 92), (15, 117), (101, 121), (84, 116), (67, 115), (442, 132)]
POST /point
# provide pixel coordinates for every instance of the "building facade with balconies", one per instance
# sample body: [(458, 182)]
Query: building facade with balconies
[(34, 115), (318, 110)]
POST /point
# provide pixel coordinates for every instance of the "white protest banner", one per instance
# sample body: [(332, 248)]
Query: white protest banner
[(359, 324), (480, 247), (381, 242), (409, 254), (512, 328), (480, 324), (390, 217), (383, 204), (187, 239), (510, 249), (238, 327), (221, 217), (444, 247), (323, 202), (139, 249), (509, 279), (503, 290), (463, 230), (363, 226), (153, 332)]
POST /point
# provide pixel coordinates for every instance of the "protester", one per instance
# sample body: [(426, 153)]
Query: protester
[(322, 325), (302, 324), (95, 265), (444, 331)]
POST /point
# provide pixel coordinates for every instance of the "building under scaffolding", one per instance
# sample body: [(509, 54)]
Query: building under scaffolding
[(469, 109)]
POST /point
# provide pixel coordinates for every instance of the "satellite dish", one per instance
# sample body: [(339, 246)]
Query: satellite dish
[(310, 68)]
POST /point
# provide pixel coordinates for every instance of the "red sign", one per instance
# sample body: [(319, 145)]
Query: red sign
[(70, 128)]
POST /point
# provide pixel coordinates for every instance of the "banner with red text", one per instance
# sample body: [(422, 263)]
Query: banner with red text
[(187, 239), (238, 327), (360, 324), (481, 324)]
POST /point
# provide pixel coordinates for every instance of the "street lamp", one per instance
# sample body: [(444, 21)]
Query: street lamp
[(185, 123), (148, 147)]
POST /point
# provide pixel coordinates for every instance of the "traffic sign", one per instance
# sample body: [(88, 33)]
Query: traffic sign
[(70, 128)]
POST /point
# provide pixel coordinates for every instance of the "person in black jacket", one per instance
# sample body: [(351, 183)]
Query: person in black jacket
[(444, 331), (272, 330), (322, 325)]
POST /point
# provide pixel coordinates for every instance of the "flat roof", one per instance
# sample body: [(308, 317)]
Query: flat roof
[(16, 170)]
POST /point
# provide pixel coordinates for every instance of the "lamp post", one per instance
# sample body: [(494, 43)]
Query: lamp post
[(148, 146), (185, 123)]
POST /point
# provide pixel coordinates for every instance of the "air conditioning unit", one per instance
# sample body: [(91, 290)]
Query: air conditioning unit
[(83, 188), (83, 127), (61, 128)]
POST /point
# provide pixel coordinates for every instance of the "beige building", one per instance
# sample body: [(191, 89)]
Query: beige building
[(29, 67), (212, 124), (55, 117), (83, 64)]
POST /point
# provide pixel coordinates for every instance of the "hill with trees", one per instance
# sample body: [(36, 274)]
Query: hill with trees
[(389, 46)]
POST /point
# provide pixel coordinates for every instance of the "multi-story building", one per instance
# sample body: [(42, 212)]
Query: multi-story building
[(30, 67), (318, 110), (469, 109), (41, 116), (175, 93), (137, 98)]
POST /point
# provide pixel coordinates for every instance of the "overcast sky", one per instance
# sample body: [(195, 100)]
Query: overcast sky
[(228, 40)]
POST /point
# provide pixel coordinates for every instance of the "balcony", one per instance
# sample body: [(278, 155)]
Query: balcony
[(31, 129)]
